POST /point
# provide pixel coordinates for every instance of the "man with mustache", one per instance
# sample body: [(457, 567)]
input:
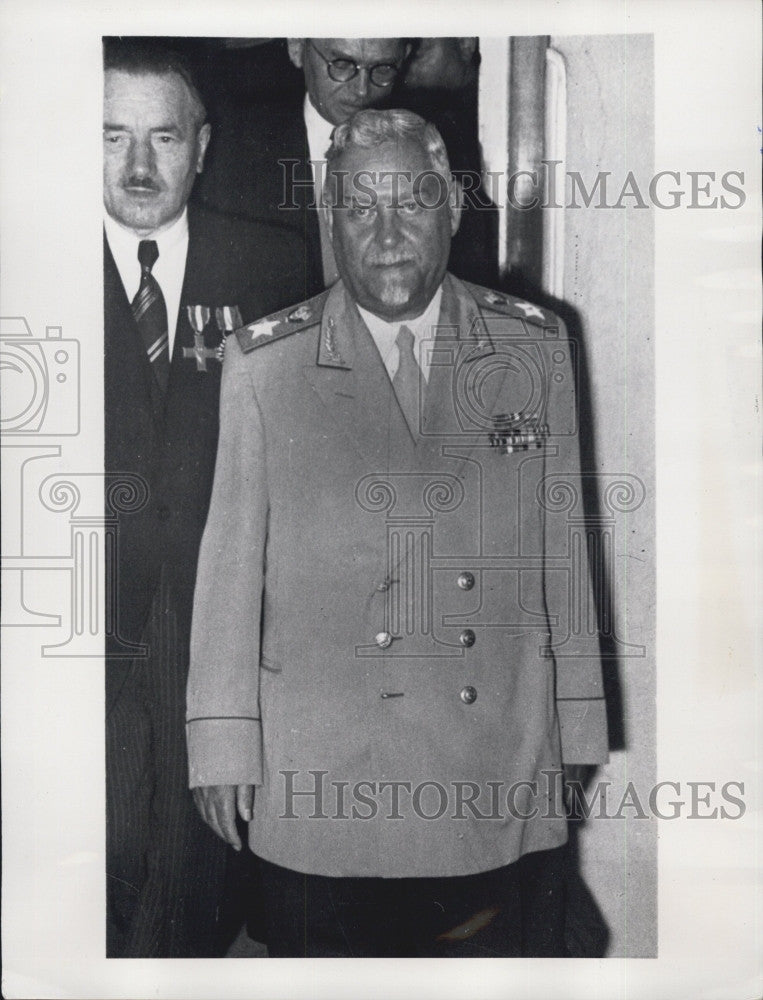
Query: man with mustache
[(177, 280), (396, 672)]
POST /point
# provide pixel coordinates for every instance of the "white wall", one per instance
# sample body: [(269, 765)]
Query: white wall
[(608, 279)]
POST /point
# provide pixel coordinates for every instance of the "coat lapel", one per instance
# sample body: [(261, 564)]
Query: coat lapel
[(200, 287), (287, 160), (463, 380), (205, 284), (353, 384), (462, 352), (295, 138)]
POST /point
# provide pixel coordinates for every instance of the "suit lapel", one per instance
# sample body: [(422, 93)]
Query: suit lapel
[(296, 139), (350, 378), (199, 263), (202, 286), (287, 143), (183, 331)]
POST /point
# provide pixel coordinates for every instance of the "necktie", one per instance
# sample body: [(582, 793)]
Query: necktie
[(407, 379), (150, 314)]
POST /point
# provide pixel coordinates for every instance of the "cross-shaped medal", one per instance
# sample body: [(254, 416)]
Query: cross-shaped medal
[(200, 352)]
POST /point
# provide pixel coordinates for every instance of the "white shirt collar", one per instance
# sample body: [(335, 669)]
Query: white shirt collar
[(318, 135), (121, 239), (422, 327)]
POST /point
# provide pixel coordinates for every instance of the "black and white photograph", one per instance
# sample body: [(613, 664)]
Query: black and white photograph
[(381, 439)]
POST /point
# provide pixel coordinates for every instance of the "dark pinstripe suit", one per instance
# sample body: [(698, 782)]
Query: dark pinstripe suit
[(165, 868)]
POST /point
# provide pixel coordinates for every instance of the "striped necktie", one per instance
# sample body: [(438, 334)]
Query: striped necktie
[(407, 379), (150, 314)]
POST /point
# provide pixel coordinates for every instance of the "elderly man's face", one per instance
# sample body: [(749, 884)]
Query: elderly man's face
[(337, 101), (153, 148), (391, 249)]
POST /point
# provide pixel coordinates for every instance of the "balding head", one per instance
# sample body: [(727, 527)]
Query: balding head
[(345, 75)]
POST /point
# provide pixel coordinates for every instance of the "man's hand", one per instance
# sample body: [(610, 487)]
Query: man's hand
[(217, 806)]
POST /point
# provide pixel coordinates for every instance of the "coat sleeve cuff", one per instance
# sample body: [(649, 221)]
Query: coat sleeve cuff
[(583, 725), (224, 751)]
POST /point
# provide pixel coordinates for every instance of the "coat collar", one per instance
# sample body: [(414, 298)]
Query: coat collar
[(350, 377), (352, 381), (461, 324), (462, 338)]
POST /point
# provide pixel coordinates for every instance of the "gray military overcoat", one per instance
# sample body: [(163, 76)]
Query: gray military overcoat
[(394, 638)]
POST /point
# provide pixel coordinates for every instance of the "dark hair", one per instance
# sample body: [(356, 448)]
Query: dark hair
[(146, 56)]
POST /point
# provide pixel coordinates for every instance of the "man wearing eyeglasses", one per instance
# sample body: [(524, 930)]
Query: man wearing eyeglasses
[(342, 75), (345, 75), (265, 162)]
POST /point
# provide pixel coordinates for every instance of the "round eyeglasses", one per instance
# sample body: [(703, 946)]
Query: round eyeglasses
[(344, 70)]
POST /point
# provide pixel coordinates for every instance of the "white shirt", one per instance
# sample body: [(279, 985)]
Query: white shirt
[(318, 141), (169, 269), (422, 327)]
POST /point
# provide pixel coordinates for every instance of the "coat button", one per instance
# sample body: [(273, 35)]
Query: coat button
[(383, 640), (468, 695), (467, 638), (465, 581)]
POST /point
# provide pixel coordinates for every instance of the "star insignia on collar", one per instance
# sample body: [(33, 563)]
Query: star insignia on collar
[(264, 328)]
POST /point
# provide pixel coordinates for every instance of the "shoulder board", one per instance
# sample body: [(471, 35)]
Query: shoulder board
[(282, 323), (510, 305)]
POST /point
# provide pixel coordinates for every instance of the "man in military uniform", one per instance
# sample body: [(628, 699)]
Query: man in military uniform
[(401, 659)]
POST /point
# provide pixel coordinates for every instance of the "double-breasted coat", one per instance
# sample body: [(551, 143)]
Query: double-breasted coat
[(388, 622)]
